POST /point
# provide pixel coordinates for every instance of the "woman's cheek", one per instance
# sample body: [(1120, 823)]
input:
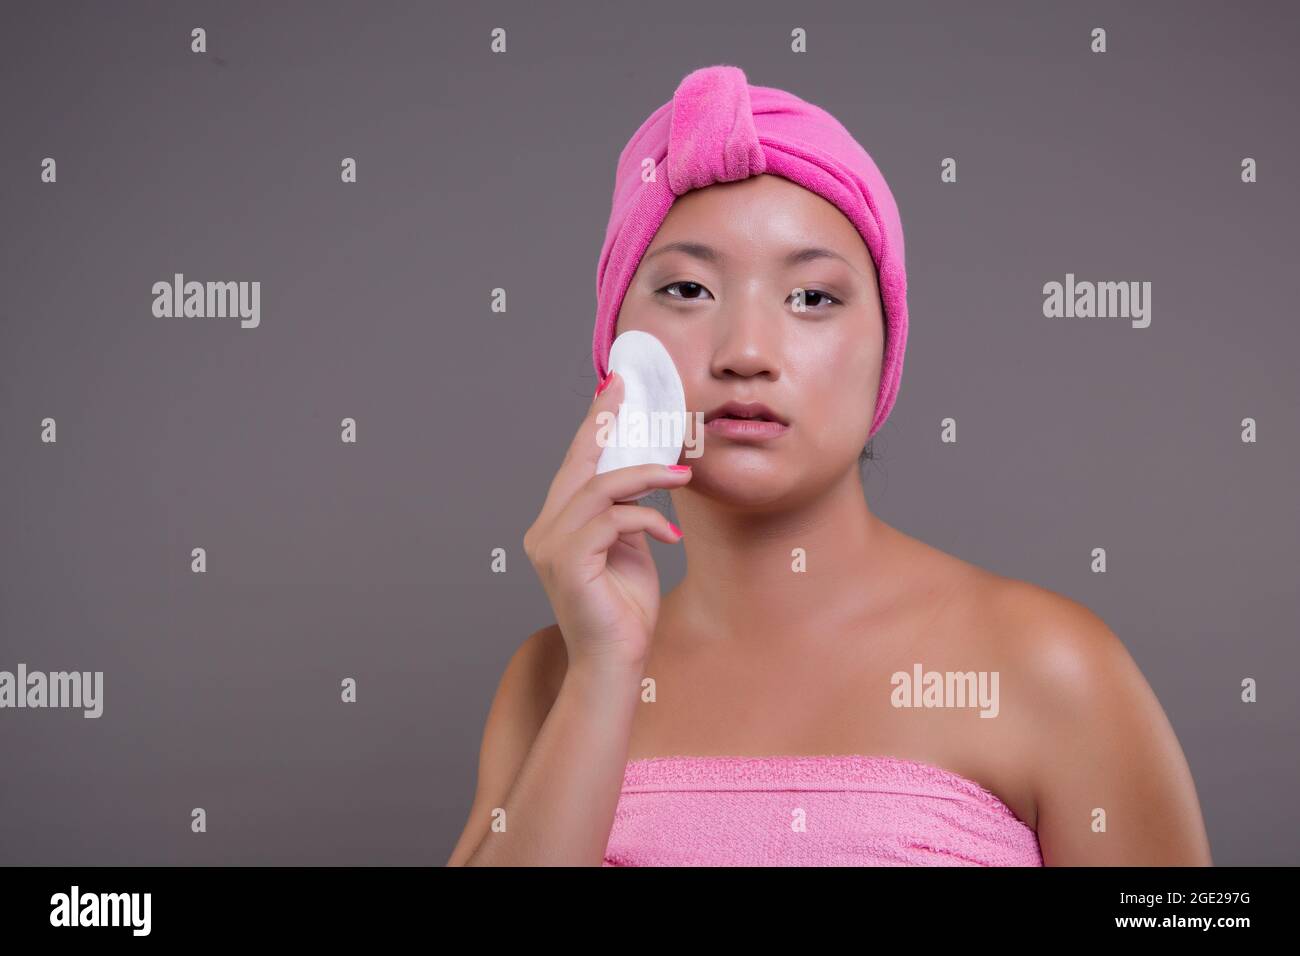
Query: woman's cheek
[(847, 406), (847, 438), (862, 366)]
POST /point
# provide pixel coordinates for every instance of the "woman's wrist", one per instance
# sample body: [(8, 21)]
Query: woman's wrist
[(600, 679)]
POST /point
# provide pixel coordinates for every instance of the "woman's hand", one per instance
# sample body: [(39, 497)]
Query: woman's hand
[(591, 553)]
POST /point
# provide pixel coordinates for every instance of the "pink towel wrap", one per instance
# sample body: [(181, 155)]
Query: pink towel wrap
[(854, 811), (719, 128)]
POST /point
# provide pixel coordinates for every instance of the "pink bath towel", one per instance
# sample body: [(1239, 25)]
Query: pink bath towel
[(811, 811)]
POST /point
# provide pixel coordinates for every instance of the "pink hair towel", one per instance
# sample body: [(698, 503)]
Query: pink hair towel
[(811, 811), (719, 128)]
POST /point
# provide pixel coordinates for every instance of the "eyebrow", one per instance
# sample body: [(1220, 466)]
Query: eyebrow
[(707, 253)]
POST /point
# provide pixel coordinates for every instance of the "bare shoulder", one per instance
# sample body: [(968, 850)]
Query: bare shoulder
[(1053, 644), (1111, 783), (524, 696), (1066, 664), (1056, 658), (1064, 649), (536, 671)]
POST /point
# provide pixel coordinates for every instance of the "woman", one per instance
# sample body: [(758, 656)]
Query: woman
[(766, 711)]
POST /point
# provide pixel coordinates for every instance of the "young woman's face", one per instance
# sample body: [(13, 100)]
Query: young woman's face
[(724, 305)]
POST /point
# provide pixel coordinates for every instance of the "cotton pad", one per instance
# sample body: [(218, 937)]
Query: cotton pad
[(652, 414)]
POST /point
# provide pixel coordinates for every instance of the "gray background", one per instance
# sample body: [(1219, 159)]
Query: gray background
[(477, 170)]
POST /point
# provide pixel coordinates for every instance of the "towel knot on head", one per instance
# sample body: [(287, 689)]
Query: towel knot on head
[(712, 138)]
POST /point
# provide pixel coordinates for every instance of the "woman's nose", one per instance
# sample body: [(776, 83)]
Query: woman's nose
[(747, 339)]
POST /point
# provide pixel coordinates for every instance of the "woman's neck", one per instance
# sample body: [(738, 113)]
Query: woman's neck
[(742, 568)]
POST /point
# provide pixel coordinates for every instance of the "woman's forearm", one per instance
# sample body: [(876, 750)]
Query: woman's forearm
[(560, 809)]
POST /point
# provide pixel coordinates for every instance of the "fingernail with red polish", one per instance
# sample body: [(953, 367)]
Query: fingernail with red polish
[(604, 384), (676, 530), (685, 468)]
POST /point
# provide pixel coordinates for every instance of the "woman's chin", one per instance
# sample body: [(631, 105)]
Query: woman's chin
[(743, 487)]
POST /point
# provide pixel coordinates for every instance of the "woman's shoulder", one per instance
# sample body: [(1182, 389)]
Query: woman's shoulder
[(1094, 733), (1058, 651), (1072, 677), (530, 683), (544, 658), (1062, 647), (1050, 640), (1054, 638)]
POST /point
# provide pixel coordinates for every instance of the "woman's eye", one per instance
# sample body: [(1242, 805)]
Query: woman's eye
[(691, 290), (812, 298)]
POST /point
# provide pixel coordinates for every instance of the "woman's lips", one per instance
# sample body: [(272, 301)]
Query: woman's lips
[(745, 429)]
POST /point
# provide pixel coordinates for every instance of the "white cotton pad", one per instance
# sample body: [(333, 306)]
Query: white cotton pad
[(652, 413)]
